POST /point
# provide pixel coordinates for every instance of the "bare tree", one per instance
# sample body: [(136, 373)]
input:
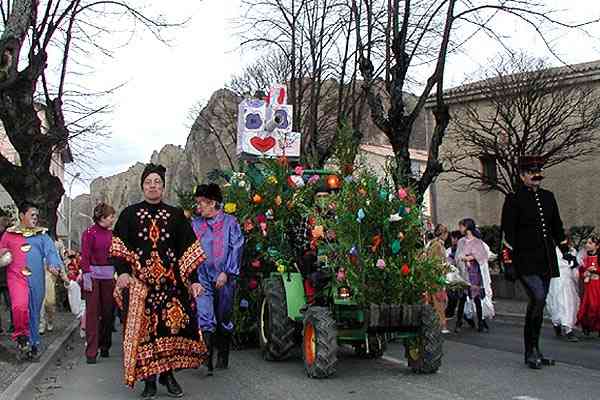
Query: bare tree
[(522, 107), (316, 38), (44, 45), (417, 33)]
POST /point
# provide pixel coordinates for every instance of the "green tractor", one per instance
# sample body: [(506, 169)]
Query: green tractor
[(286, 320)]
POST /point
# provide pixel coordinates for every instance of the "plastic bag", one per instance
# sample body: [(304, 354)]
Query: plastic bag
[(75, 301)]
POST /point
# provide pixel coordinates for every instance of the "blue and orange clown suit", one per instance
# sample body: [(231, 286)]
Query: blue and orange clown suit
[(32, 249)]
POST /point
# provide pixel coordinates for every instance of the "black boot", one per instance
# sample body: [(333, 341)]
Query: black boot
[(557, 330), (23, 348), (209, 339), (173, 389), (149, 388), (534, 359), (224, 342)]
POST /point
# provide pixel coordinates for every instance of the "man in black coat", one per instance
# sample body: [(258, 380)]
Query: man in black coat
[(532, 228)]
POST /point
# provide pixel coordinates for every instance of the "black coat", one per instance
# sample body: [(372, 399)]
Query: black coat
[(532, 227)]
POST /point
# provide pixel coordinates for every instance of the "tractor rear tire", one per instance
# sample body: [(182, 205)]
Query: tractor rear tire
[(319, 347), (276, 331), (426, 351), (377, 347)]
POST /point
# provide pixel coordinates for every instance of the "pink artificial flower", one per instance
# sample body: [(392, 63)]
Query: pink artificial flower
[(299, 170), (313, 179), (261, 218), (341, 275), (380, 263), (402, 193)]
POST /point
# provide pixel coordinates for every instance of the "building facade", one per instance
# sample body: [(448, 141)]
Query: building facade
[(574, 183)]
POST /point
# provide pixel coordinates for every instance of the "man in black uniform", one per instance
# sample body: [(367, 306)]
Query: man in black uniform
[(532, 228)]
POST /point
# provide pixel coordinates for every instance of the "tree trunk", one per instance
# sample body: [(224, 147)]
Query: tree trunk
[(45, 191)]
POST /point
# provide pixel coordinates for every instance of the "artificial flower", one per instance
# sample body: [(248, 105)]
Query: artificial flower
[(230, 208), (313, 179), (402, 193), (380, 263)]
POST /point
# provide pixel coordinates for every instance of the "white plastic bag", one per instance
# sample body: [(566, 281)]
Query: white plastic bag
[(75, 302)]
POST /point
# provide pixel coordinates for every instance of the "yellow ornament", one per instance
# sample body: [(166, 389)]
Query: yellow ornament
[(272, 180), (230, 208), (280, 268)]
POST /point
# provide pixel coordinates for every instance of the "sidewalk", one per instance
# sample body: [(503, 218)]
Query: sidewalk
[(10, 368)]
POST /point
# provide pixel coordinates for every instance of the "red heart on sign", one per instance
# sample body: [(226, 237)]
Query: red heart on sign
[(263, 144)]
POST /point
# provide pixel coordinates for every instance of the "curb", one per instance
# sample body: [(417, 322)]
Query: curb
[(33, 371)]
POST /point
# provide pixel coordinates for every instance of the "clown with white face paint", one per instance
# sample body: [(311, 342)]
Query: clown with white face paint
[(31, 250)]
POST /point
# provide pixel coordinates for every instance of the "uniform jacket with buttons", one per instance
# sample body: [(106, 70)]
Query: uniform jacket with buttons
[(531, 228)]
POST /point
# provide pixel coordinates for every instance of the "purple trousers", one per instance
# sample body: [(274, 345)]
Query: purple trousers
[(99, 316), (215, 306)]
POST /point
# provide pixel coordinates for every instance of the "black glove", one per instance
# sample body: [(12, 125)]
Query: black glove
[(571, 259)]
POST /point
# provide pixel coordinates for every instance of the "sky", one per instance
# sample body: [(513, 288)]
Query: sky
[(163, 82)]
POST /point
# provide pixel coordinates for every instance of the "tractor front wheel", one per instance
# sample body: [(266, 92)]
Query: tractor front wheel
[(319, 346), (276, 330)]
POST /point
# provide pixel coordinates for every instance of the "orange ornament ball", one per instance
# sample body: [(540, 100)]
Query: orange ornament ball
[(333, 182), (257, 199)]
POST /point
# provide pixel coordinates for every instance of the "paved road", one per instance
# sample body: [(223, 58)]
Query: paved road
[(506, 336), (475, 367)]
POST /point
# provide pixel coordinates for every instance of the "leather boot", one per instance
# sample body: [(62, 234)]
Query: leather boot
[(209, 339), (149, 388), (23, 347), (224, 342), (533, 359), (168, 379)]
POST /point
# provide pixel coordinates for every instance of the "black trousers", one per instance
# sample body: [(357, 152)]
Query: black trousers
[(536, 287)]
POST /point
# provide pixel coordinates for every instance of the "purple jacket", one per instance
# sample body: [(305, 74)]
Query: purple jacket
[(222, 240)]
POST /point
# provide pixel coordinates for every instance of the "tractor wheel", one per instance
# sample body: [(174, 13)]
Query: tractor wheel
[(424, 353), (319, 343), (276, 331), (377, 346)]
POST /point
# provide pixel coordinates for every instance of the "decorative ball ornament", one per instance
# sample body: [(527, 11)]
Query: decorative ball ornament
[(253, 284), (280, 268), (405, 270), (333, 182), (257, 199)]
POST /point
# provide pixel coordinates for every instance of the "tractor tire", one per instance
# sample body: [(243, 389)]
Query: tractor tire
[(276, 332), (377, 347), (319, 347), (425, 353)]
